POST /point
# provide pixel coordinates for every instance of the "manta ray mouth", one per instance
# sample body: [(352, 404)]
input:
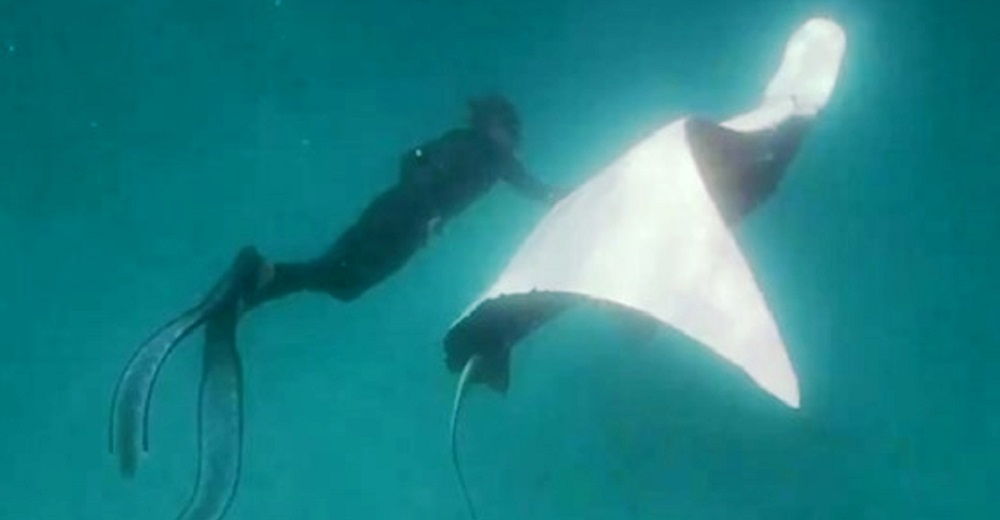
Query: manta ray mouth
[(471, 366)]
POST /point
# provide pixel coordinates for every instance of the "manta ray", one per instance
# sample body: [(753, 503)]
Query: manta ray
[(652, 234)]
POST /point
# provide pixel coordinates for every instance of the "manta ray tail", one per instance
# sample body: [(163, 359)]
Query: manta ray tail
[(463, 382)]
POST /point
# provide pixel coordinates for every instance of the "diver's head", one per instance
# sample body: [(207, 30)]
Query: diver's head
[(496, 117)]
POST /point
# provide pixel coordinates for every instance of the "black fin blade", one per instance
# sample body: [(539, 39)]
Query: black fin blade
[(128, 426), (130, 408), (220, 423)]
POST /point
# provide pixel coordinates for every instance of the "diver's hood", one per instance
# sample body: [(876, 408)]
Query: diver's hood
[(644, 234)]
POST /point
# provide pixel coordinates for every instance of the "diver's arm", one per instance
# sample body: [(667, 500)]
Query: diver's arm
[(529, 186)]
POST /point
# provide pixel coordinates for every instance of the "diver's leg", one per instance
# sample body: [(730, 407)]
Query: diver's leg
[(280, 279), (336, 273), (389, 233), (346, 273)]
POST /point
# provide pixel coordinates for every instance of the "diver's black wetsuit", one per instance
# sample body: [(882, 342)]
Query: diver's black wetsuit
[(436, 182)]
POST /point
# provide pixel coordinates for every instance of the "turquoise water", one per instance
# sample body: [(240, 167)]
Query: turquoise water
[(142, 143)]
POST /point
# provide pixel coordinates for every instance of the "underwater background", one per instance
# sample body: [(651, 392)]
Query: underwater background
[(143, 142)]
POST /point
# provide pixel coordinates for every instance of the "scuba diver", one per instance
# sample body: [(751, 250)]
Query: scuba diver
[(437, 181)]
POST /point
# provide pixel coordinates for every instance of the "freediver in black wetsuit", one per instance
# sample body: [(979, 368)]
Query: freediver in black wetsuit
[(436, 182)]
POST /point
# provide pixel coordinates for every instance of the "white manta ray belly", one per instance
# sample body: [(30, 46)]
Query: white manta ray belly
[(646, 234)]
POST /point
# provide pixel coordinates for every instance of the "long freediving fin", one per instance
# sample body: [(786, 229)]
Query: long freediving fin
[(128, 427), (463, 382), (220, 422), (128, 424)]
